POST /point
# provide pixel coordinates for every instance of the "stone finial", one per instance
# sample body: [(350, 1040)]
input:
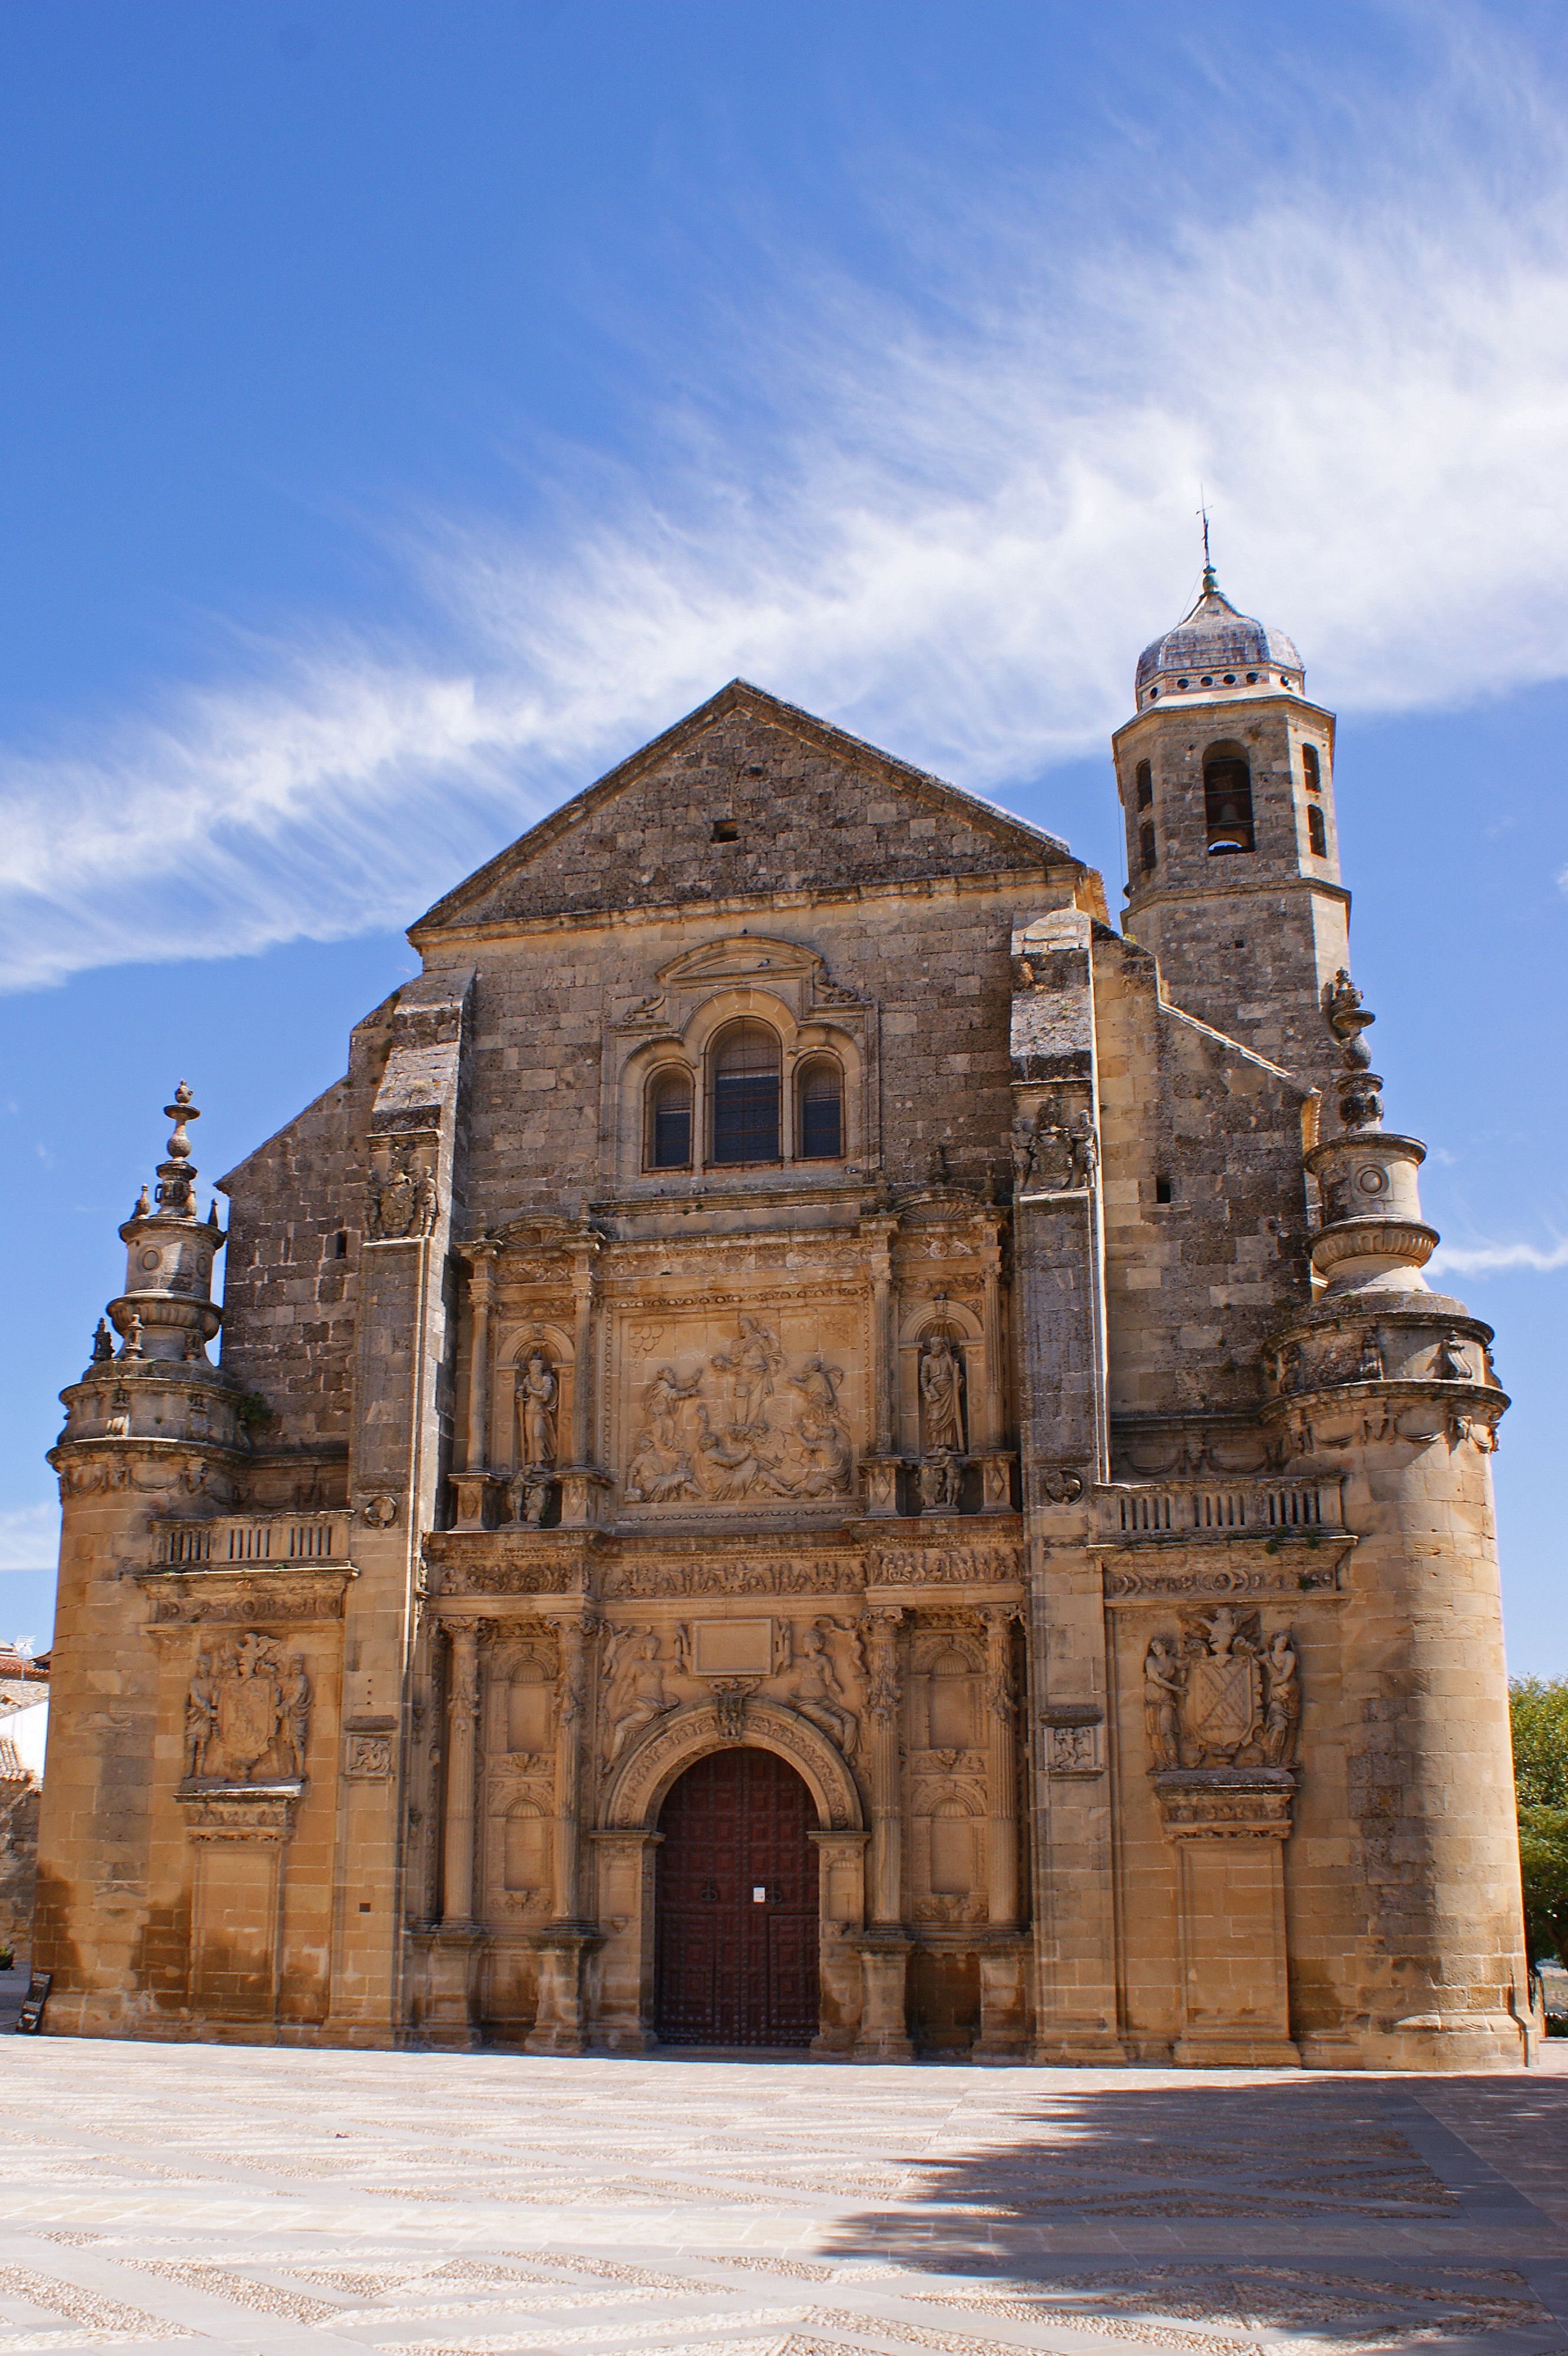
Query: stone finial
[(103, 1342), (1360, 1105), (142, 1208), (176, 1176)]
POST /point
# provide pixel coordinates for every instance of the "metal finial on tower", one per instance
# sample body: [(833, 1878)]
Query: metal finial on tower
[(1210, 578)]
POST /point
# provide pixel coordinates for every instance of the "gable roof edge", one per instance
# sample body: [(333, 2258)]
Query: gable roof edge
[(923, 783)]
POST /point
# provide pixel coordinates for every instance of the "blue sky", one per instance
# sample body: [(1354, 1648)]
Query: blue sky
[(410, 409)]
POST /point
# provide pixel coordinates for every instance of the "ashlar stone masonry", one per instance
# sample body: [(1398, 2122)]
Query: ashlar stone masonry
[(813, 1447)]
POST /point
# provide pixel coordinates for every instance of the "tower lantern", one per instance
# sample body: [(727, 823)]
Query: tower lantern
[(1226, 776)]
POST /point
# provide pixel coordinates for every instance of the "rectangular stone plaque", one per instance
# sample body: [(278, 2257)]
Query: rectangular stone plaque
[(731, 1648)]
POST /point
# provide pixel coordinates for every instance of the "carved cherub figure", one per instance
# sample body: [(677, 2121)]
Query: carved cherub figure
[(1225, 1633)]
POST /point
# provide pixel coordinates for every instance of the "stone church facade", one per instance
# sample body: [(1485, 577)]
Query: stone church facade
[(815, 1448)]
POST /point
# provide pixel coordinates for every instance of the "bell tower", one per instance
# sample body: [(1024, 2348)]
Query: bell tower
[(1226, 778)]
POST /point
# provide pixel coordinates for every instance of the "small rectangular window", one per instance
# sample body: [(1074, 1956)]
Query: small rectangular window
[(1316, 832), (725, 829), (1162, 1190), (1146, 848), (1145, 785), (1310, 768), (341, 1245)]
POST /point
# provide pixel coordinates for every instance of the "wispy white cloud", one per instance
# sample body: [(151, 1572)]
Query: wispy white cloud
[(29, 1538), (1488, 1260), (950, 529)]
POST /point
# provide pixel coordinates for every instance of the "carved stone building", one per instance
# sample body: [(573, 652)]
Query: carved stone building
[(813, 1448)]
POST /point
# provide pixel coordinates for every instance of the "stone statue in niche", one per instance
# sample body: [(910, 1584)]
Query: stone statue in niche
[(1085, 1150), (401, 1199), (941, 1397), (247, 1716), (637, 1689), (1370, 1364), (813, 1688), (1223, 1698), (537, 1397), (754, 1442)]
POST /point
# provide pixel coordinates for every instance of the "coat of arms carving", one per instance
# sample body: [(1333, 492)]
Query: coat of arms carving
[(247, 1714), (1221, 1696)]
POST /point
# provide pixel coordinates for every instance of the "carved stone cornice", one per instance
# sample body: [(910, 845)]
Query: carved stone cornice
[(511, 1561), (240, 1812), (1241, 1569), (1225, 1802), (945, 1563), (262, 1593)]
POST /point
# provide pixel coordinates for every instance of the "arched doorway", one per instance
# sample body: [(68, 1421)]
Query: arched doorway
[(736, 1905)]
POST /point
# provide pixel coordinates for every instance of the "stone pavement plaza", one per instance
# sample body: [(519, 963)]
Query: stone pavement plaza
[(280, 2200)]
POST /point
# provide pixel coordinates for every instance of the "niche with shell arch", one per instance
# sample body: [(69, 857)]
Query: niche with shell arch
[(515, 1343), (947, 1673), (686, 1062), (964, 1330)]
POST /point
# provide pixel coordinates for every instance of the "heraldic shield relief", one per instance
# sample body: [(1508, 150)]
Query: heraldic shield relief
[(1221, 1696)]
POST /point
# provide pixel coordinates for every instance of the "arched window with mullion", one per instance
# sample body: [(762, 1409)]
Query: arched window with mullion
[(818, 1099), (745, 1092), (668, 1141)]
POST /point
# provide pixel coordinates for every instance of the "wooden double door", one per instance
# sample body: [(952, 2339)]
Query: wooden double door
[(736, 1905)]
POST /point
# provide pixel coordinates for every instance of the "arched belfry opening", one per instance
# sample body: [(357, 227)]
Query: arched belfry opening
[(736, 1905), (1227, 800)]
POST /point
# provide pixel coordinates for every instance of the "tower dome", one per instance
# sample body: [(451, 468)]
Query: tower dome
[(1215, 650)]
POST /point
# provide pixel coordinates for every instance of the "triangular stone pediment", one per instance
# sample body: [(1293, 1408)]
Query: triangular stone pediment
[(746, 796)]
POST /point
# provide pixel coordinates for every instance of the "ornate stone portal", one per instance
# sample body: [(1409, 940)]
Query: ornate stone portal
[(788, 1275)]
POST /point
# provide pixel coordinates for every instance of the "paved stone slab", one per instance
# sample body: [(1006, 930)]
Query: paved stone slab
[(288, 2201)]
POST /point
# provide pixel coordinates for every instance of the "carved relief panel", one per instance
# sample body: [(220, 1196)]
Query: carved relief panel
[(947, 1769), (718, 1408), (518, 1777), (814, 1667)]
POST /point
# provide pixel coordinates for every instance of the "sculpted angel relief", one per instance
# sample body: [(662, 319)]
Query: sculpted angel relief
[(742, 1426)]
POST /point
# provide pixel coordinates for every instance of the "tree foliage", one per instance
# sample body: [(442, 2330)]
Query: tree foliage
[(1539, 1710)]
